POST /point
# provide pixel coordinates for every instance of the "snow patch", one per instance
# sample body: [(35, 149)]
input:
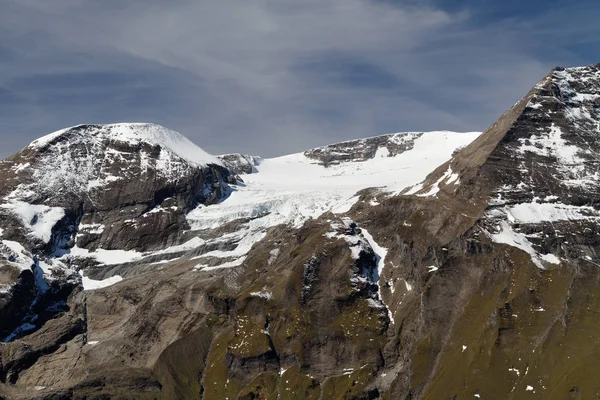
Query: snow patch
[(432, 268), (95, 229), (508, 236), (106, 257), (550, 258), (516, 371), (92, 284), (39, 219), (16, 255), (229, 264), (531, 213), (449, 177), (551, 144), (381, 253), (264, 293), (273, 254)]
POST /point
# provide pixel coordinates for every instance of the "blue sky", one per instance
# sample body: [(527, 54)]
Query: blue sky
[(270, 77)]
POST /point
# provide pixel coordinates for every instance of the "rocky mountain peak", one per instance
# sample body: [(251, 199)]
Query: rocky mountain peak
[(110, 187), (130, 135), (537, 166)]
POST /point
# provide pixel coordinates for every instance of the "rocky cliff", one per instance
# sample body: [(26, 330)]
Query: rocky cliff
[(416, 265)]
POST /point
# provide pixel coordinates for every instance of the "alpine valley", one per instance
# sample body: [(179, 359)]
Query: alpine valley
[(420, 265)]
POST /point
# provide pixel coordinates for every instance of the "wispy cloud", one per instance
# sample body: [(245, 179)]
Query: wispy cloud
[(267, 77)]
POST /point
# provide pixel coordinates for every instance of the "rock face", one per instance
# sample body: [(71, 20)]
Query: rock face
[(364, 149), (106, 183), (89, 187), (480, 281), (240, 163)]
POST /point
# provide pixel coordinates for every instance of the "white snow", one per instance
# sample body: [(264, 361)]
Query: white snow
[(273, 254), (264, 293), (355, 242), (551, 258), (381, 253), (91, 284), (449, 177), (537, 212), (294, 188), (113, 257), (15, 250), (390, 284), (107, 257), (137, 133), (44, 140), (228, 264), (432, 268), (189, 245), (507, 235), (91, 229), (39, 219), (20, 167), (529, 388), (551, 144), (463, 348)]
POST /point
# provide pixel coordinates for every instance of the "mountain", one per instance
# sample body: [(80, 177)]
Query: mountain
[(412, 265)]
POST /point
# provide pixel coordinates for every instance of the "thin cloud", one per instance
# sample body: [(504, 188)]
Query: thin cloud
[(264, 77)]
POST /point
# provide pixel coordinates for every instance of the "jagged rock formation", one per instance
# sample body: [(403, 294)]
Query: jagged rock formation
[(364, 149), (478, 282), (240, 163)]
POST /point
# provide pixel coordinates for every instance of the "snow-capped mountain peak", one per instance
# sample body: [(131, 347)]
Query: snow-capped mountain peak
[(91, 158), (134, 134)]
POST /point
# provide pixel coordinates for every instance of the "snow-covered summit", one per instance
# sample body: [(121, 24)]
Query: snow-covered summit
[(87, 158), (134, 134), (100, 186)]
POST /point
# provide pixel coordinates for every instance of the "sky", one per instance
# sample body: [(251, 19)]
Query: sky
[(272, 77)]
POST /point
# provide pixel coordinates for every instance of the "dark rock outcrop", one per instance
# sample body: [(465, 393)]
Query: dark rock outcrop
[(363, 149)]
